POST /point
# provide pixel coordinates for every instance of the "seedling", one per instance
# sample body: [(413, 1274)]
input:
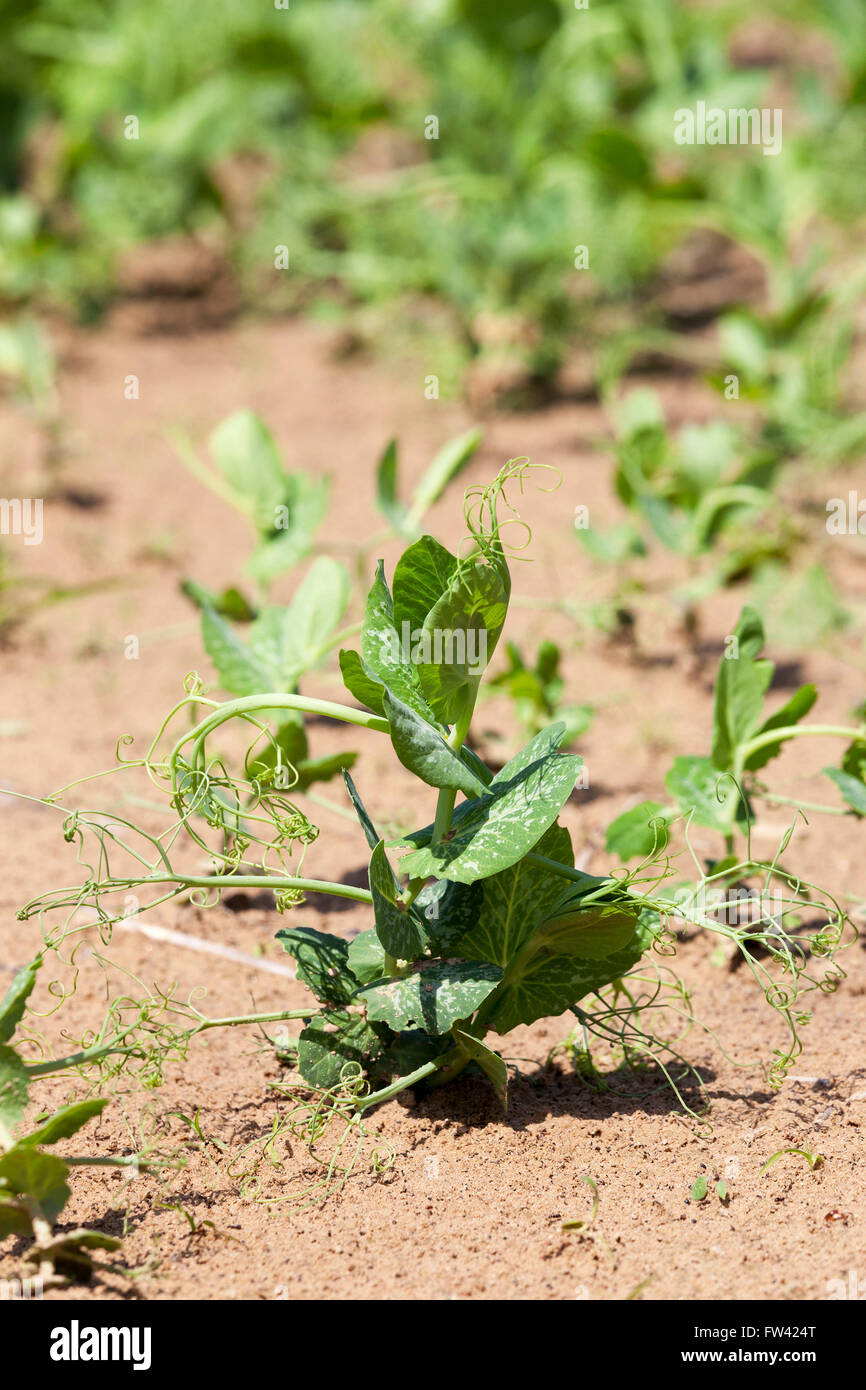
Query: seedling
[(33, 1183), (283, 509), (719, 791), (814, 1160), (484, 924), (536, 692), (585, 1223)]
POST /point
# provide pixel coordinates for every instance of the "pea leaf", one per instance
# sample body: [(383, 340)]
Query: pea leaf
[(401, 930), (300, 514), (369, 829), (699, 789), (741, 685), (548, 983), (15, 999), (791, 712), (331, 1041), (14, 1084), (248, 459), (322, 961), (853, 791), (386, 489), (517, 900), (366, 957), (462, 630), (423, 750), (433, 997), (25, 1172), (699, 1189), (422, 575), (492, 832), (289, 640), (66, 1121), (360, 681), (489, 1061), (449, 911), (15, 1219), (241, 670), (383, 654), (638, 832)]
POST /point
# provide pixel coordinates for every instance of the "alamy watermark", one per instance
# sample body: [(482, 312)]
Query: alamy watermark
[(712, 125), (440, 646), (22, 516), (846, 516)]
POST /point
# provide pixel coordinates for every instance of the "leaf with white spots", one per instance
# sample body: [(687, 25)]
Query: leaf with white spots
[(432, 997)]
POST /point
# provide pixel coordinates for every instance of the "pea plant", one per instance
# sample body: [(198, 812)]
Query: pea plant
[(719, 791), (480, 921), (34, 1185)]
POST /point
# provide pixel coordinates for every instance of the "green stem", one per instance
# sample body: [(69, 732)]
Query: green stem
[(280, 1016), (402, 1082), (307, 885), (798, 731), (248, 705)]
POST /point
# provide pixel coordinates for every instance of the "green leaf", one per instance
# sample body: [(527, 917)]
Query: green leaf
[(409, 1051), (67, 1121), (593, 931), (25, 1172), (446, 465), (367, 825), (15, 1000), (700, 788), (517, 900), (495, 830), (433, 997), (489, 1061), (699, 1189), (360, 681), (422, 575), (247, 457), (400, 929), (423, 750), (791, 713), (366, 958), (722, 1190), (638, 832), (241, 671), (305, 502), (852, 789), (462, 630), (386, 489), (546, 984), (288, 641), (332, 1041), (15, 1219), (14, 1086), (322, 961), (382, 650), (449, 911), (69, 1252), (741, 685)]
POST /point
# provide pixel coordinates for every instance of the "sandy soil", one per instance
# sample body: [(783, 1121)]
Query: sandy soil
[(474, 1202)]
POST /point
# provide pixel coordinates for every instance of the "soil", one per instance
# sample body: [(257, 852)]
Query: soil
[(474, 1202)]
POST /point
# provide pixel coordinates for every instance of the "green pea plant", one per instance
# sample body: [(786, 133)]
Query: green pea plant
[(536, 692), (480, 921), (692, 494), (28, 368), (719, 791), (34, 1183), (284, 642)]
